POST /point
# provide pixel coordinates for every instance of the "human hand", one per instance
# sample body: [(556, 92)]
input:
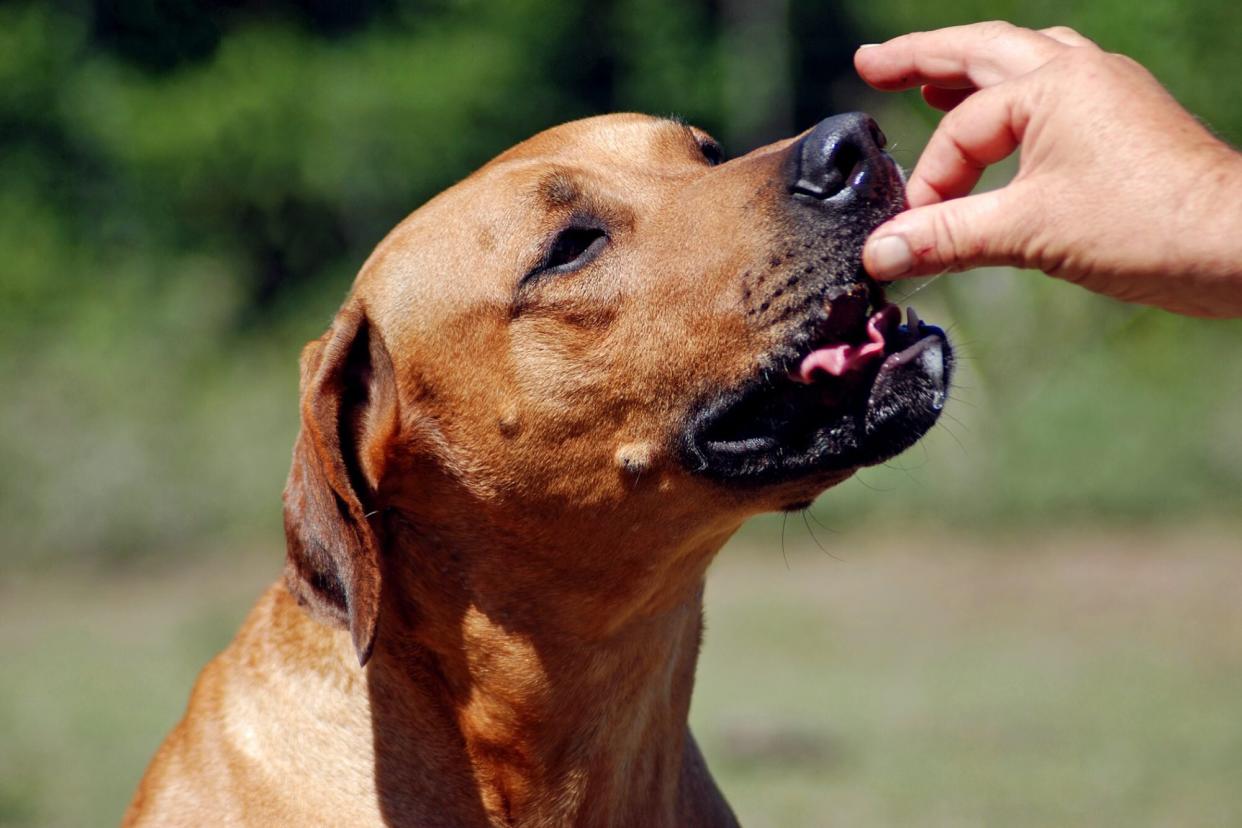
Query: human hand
[(1118, 188)]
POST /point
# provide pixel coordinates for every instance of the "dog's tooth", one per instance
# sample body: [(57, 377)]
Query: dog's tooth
[(912, 321)]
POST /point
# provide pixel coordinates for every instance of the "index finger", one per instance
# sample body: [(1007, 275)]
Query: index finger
[(978, 55)]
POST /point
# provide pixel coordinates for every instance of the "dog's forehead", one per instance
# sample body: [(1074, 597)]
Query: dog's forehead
[(606, 140), (437, 262)]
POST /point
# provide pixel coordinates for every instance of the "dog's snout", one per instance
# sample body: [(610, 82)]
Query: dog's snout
[(841, 155)]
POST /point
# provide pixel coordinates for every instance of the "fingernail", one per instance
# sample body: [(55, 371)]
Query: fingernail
[(868, 46), (890, 257)]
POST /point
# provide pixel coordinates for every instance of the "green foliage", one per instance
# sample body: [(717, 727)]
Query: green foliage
[(189, 187)]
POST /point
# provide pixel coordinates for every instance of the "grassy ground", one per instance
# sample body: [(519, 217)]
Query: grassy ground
[(1085, 679)]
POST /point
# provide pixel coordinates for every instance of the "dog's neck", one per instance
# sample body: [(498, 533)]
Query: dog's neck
[(568, 695)]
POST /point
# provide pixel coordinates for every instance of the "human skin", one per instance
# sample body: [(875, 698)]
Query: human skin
[(1119, 189)]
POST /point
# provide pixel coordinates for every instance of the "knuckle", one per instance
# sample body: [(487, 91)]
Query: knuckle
[(945, 248), (1124, 62), (1063, 32), (997, 28), (950, 123)]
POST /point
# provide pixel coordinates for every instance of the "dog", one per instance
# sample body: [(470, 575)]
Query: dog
[(553, 392)]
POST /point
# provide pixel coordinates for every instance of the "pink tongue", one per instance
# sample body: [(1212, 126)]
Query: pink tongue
[(841, 359)]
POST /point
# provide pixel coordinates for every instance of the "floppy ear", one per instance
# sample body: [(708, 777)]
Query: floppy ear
[(349, 415)]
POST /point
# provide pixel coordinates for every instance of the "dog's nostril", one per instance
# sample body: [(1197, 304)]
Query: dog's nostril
[(830, 155), (843, 160)]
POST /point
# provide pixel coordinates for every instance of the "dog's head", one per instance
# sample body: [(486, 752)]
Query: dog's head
[(609, 326)]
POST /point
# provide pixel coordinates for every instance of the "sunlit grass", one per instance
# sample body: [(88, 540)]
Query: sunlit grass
[(1086, 679)]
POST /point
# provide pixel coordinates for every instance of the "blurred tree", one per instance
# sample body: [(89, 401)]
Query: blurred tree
[(822, 72), (188, 187)]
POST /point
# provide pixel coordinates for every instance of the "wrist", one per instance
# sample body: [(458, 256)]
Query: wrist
[(1208, 251)]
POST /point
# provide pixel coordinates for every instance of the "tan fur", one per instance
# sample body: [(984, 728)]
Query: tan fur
[(497, 523)]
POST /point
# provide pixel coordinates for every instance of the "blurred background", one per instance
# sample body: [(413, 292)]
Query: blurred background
[(1032, 618)]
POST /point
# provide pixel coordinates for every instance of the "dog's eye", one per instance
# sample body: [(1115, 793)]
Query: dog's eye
[(712, 151), (573, 248)]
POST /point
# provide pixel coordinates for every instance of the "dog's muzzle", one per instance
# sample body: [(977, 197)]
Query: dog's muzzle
[(846, 384)]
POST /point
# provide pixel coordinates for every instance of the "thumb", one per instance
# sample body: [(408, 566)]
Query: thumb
[(951, 235)]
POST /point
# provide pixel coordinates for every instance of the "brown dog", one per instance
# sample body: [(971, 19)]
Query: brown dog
[(553, 393)]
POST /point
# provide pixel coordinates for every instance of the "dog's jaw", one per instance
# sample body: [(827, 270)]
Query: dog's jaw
[(840, 407)]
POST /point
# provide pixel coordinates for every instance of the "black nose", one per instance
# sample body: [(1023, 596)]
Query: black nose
[(843, 154)]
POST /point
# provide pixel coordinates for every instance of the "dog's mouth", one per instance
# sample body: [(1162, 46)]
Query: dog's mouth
[(854, 387)]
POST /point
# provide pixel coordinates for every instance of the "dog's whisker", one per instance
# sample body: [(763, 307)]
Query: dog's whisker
[(944, 425), (811, 532), (926, 281), (819, 523), (784, 520), (863, 482), (906, 470), (956, 420)]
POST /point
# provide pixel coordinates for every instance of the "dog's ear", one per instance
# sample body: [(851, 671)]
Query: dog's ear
[(349, 416)]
